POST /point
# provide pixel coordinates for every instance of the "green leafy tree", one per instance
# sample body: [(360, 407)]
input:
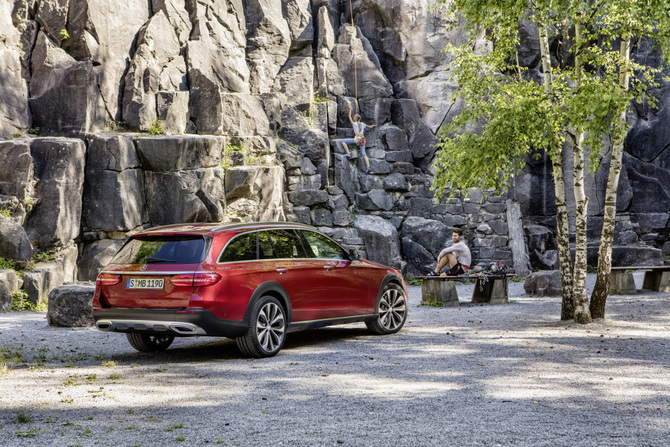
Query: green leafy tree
[(508, 115)]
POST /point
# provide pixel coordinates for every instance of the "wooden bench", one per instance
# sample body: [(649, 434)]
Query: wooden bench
[(491, 289), (656, 278)]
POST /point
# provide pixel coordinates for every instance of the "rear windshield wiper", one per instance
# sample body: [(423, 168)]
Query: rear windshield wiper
[(156, 260)]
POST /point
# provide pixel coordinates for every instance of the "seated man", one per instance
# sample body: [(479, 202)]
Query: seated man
[(457, 256)]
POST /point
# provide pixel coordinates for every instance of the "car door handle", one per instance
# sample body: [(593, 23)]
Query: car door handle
[(329, 267), (281, 271)]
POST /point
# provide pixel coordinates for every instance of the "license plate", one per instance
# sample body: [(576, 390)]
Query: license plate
[(144, 283)]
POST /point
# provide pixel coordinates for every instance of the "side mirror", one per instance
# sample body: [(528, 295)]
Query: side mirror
[(354, 255)]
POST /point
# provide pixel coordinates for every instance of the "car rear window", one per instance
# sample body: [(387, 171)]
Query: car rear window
[(163, 249)]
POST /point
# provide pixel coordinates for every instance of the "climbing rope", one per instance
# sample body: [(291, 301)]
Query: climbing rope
[(353, 54)]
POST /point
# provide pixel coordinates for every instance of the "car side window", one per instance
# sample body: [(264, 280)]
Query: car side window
[(265, 249), (242, 247), (287, 244), (323, 247)]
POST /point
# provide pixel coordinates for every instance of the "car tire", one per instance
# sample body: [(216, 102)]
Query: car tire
[(149, 342), (391, 311), (267, 329)]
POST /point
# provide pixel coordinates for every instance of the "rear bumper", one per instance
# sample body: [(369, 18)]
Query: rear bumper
[(180, 323)]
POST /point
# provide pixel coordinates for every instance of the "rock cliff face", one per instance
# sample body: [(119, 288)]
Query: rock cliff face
[(252, 99)]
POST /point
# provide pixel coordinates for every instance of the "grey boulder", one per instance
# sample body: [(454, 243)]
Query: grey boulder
[(70, 305)]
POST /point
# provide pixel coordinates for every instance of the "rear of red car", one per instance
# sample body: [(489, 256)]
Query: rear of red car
[(158, 284)]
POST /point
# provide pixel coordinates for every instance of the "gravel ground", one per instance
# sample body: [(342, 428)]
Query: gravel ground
[(474, 375)]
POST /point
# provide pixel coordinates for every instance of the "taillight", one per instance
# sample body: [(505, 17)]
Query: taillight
[(196, 279), (107, 279), (206, 279), (182, 280)]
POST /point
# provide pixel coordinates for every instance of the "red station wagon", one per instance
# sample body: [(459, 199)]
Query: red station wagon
[(253, 282)]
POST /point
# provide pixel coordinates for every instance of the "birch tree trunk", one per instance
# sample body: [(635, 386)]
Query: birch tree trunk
[(580, 299), (602, 286), (562, 221)]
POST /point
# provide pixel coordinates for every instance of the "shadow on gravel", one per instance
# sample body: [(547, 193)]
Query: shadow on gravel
[(204, 349)]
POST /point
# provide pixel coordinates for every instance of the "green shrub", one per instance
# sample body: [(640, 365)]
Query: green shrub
[(156, 128), (23, 418), (20, 301), (42, 256), (7, 264), (432, 303)]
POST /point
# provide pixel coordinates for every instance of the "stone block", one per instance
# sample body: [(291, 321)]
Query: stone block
[(193, 196), (302, 214), (421, 207), (290, 156), (629, 255), (322, 217), (178, 153), (396, 182), (403, 168), (439, 290), (658, 281), (342, 218), (70, 305), (376, 85), (345, 177), (405, 114), (113, 201), (381, 239), (55, 219), (375, 110), (338, 202), (303, 182), (14, 242), (295, 79), (63, 90), (307, 167), (430, 234), (261, 185), (369, 182), (374, 152), (622, 282), (375, 200), (307, 197), (157, 47), (16, 175), (395, 138), (543, 283), (38, 283), (172, 109), (419, 260), (95, 256), (378, 167), (399, 156), (493, 291), (9, 283)]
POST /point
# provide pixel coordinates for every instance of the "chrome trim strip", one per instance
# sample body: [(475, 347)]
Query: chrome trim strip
[(145, 273), (335, 318), (284, 259), (177, 327)]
